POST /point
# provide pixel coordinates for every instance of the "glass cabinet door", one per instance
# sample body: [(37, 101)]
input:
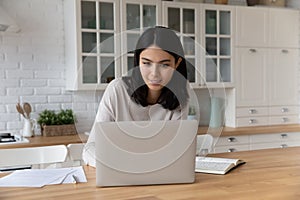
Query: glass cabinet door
[(217, 41), (137, 15), (183, 19), (99, 25)]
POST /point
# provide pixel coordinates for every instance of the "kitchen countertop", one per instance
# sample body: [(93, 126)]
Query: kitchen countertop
[(229, 131), (225, 131), (45, 141)]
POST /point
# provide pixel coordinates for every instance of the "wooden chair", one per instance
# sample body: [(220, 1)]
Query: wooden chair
[(75, 154), (204, 144), (39, 157)]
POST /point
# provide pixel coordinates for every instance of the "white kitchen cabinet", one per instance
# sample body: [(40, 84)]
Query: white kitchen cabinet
[(280, 21), (101, 36), (283, 76), (136, 16), (267, 27), (92, 47), (274, 140), (266, 67), (218, 34), (252, 77), (231, 144), (266, 80), (252, 27), (185, 19), (256, 141)]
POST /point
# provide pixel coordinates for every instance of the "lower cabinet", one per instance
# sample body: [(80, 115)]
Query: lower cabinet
[(231, 144), (255, 142)]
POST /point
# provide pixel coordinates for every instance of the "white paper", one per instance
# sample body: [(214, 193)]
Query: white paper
[(42, 177)]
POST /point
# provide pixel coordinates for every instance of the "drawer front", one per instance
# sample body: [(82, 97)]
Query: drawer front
[(284, 110), (274, 145), (251, 111), (232, 148), (231, 140), (274, 137), (269, 145), (252, 121), (286, 119)]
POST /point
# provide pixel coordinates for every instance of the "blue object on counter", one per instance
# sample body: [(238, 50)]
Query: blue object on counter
[(217, 112)]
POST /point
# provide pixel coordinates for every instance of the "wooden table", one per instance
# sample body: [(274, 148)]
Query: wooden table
[(45, 141), (268, 174)]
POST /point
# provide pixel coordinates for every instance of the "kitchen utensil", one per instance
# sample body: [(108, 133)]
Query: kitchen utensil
[(20, 109), (27, 109), (28, 128)]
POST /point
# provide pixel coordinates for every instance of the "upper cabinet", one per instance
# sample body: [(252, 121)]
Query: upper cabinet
[(266, 27), (185, 20), (218, 37), (102, 34), (92, 46), (136, 16), (282, 20)]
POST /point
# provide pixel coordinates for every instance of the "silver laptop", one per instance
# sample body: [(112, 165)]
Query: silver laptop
[(145, 152)]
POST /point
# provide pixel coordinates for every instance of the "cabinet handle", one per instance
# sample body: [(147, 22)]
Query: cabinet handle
[(283, 146), (231, 150), (284, 51), (252, 50), (285, 119), (283, 135), (284, 110), (232, 139), (252, 111), (252, 121)]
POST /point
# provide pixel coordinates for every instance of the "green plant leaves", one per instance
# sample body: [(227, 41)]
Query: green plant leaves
[(49, 117)]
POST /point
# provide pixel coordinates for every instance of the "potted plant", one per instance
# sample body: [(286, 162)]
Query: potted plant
[(54, 124)]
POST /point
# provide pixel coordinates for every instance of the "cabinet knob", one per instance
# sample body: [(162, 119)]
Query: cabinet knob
[(252, 121), (284, 110), (252, 111), (283, 135), (231, 150), (252, 50), (232, 139), (284, 51), (283, 146), (285, 119)]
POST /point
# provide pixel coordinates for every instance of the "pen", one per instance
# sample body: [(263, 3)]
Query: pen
[(74, 179)]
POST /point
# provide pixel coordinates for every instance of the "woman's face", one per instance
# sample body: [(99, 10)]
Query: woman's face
[(157, 67)]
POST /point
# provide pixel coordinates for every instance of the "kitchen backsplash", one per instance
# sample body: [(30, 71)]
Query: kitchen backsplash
[(32, 66)]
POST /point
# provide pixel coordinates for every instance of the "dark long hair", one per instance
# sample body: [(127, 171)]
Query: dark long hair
[(175, 92)]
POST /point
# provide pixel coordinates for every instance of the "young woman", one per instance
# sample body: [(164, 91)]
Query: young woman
[(157, 89)]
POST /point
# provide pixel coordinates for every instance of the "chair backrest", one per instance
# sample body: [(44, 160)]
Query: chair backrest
[(75, 153), (33, 155), (204, 144)]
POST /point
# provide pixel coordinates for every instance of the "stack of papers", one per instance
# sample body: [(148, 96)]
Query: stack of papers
[(42, 177)]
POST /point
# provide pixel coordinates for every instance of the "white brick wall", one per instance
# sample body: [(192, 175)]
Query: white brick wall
[(32, 64)]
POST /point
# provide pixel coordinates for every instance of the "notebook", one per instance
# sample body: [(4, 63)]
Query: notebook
[(145, 152)]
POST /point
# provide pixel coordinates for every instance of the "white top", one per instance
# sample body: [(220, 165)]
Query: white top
[(117, 105)]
